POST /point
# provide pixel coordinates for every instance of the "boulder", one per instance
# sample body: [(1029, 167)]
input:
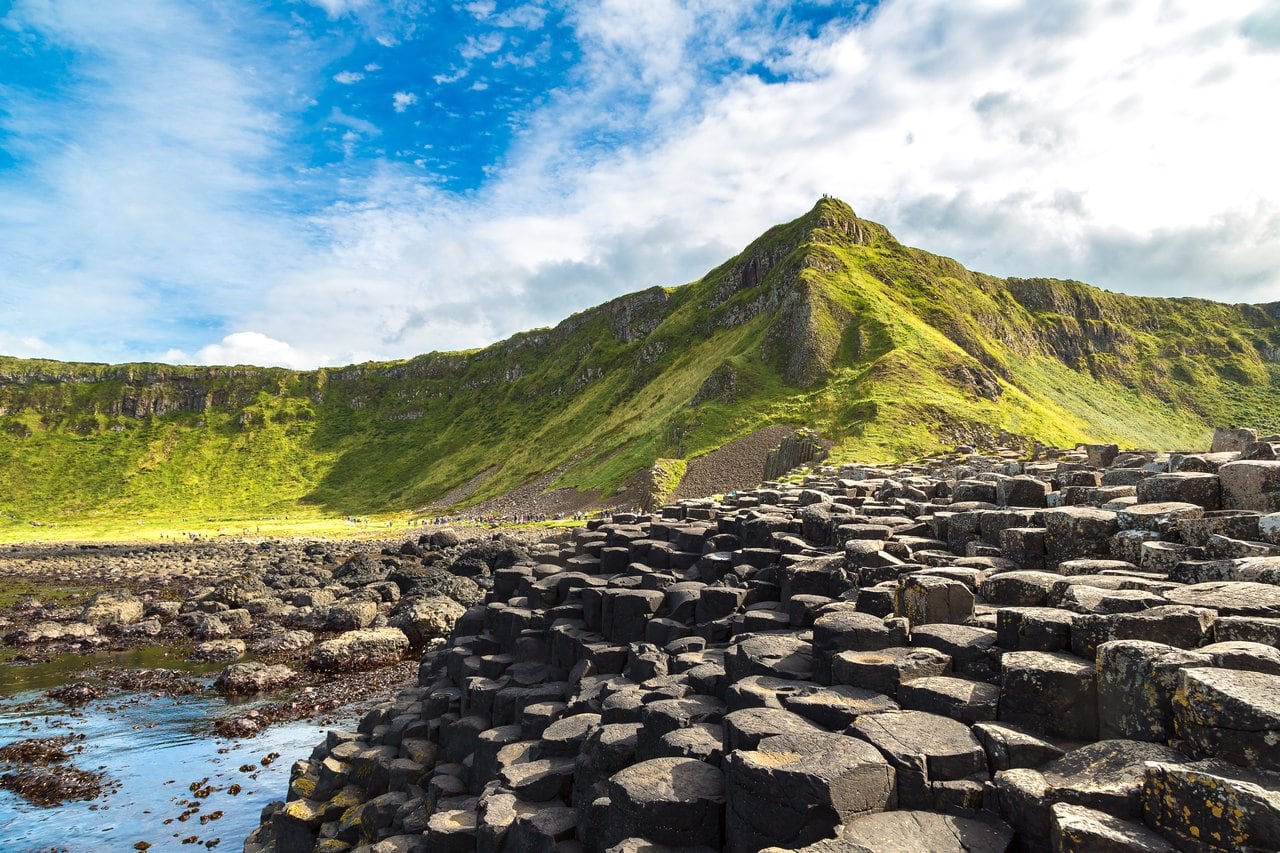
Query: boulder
[(357, 650), (218, 650), (350, 616), (242, 678), (114, 607), (1251, 484), (425, 619)]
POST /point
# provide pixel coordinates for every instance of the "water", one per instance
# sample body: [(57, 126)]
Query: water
[(151, 748)]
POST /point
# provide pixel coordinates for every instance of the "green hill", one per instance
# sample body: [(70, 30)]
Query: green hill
[(826, 322)]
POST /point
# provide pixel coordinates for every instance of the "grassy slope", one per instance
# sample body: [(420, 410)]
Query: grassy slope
[(826, 322)]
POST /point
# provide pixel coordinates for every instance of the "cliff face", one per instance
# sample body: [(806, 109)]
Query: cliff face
[(825, 322)]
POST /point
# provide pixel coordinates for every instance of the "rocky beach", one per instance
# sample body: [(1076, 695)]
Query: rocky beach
[(123, 653), (1076, 651)]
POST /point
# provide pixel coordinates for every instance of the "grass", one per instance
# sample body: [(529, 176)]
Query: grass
[(156, 529), (825, 322)]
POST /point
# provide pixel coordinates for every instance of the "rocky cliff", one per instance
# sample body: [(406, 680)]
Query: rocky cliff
[(826, 322)]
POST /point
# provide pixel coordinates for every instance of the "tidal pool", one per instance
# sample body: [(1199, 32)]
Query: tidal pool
[(151, 749)]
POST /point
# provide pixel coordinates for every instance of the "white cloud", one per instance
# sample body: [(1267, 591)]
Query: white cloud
[(403, 100), (338, 8), (134, 201), (253, 348), (530, 16), (347, 78), (481, 45), (1122, 144), (1021, 140), (25, 346), (481, 9)]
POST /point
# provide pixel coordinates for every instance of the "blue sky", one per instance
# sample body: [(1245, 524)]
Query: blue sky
[(313, 182)]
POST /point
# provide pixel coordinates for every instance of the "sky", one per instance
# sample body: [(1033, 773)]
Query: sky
[(322, 182)]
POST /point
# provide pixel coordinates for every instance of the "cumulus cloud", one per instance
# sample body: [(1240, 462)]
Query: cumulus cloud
[(401, 101), (347, 78), (253, 348)]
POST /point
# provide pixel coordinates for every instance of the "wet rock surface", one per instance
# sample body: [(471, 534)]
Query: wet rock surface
[(39, 771), (301, 626), (277, 613), (973, 653)]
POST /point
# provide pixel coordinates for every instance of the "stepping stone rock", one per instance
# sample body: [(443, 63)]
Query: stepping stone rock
[(923, 749), (1034, 629), (1156, 516), (537, 781), (924, 599), (1207, 802), (795, 789), (958, 698), (1009, 747), (566, 736), (703, 741), (746, 728), (1190, 487), (1079, 531), (836, 708), (1018, 589), (1256, 657), (1251, 484), (452, 831), (1230, 714), (1231, 598), (973, 651), (885, 670), (777, 656), (762, 691), (542, 828), (915, 831), (1107, 776), (1137, 680), (675, 801), (1173, 624), (1076, 829), (1050, 693)]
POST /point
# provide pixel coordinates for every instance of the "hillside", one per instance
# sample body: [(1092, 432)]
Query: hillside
[(826, 322)]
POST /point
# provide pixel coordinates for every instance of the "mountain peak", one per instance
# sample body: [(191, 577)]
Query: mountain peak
[(835, 218), (825, 321)]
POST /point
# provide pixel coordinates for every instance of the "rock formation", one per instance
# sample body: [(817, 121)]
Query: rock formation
[(980, 653)]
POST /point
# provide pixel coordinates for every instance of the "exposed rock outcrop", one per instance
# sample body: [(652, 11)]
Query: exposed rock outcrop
[(977, 653)]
